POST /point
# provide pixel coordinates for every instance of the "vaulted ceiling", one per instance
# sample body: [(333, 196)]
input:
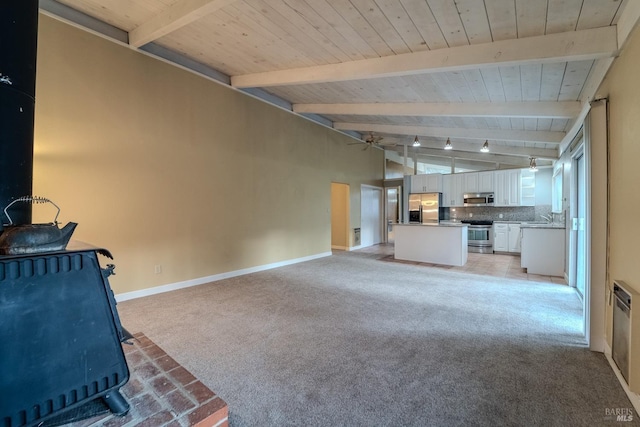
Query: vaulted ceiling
[(518, 73)]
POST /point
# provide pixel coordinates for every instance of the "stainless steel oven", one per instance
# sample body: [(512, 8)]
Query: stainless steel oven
[(480, 236)]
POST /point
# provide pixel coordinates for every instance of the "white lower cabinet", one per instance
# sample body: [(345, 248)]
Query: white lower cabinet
[(500, 238), (514, 238), (506, 237)]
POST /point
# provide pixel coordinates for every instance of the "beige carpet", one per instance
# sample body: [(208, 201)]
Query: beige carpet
[(350, 340)]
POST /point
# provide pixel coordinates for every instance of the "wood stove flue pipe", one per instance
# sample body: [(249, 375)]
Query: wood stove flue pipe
[(18, 44)]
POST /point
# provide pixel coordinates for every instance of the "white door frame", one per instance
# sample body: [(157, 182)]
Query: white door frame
[(581, 150), (381, 209), (594, 149), (596, 187)]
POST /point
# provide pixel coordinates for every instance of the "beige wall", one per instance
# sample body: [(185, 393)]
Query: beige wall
[(164, 167), (397, 170), (622, 88)]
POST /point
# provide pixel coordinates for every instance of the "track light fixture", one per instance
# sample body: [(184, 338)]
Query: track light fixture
[(447, 145), (532, 164), (416, 142), (485, 147)]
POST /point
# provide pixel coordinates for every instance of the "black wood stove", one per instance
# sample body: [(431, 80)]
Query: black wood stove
[(60, 334)]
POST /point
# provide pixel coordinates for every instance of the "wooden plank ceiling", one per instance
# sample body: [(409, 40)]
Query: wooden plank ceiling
[(514, 72)]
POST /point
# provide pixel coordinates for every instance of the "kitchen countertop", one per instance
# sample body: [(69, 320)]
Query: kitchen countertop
[(541, 225), (440, 224), (533, 224), (523, 224)]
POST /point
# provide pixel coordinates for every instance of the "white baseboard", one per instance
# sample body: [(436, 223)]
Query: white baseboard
[(633, 397), (346, 248), (214, 278)]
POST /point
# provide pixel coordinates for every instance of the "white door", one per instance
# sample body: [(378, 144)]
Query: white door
[(578, 223), (371, 210)]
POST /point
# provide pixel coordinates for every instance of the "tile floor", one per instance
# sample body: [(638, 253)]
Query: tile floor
[(500, 265)]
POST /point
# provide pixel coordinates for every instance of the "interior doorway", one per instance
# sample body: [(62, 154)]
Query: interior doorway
[(340, 238), (371, 214), (393, 210)]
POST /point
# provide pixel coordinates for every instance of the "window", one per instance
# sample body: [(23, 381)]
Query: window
[(556, 190)]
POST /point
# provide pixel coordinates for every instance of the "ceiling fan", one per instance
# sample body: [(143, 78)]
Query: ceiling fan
[(370, 140)]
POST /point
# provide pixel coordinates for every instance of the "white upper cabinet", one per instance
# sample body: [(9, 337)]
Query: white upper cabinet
[(452, 190), (434, 183), (479, 182), (528, 188), (470, 182), (556, 190), (501, 188), (416, 184), (507, 187), (458, 194), (447, 182), (426, 183), (486, 182)]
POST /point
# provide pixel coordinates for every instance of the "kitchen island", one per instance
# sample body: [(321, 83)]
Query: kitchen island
[(443, 243)]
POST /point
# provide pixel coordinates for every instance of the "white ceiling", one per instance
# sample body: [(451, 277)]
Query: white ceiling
[(519, 73)]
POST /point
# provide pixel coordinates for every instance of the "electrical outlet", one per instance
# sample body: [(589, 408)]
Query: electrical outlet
[(158, 269), (470, 215), (500, 216)]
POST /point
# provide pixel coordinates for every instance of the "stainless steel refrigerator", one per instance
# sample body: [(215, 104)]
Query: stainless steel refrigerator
[(425, 208)]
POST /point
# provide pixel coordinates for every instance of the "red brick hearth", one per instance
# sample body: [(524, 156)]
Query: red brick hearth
[(162, 393)]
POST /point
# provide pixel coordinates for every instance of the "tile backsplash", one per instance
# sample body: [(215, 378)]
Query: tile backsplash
[(519, 213)]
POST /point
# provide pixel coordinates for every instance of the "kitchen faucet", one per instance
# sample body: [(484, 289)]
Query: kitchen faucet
[(547, 218)]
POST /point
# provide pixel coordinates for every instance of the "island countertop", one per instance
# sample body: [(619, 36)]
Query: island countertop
[(438, 224)]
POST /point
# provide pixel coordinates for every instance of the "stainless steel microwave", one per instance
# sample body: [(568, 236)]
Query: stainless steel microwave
[(479, 199)]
